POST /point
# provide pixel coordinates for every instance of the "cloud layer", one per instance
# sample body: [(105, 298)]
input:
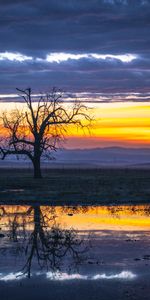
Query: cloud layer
[(97, 46)]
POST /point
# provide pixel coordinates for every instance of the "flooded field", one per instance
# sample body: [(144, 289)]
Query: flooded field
[(89, 247)]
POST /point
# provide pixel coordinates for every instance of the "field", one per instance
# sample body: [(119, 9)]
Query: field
[(117, 258), (76, 186)]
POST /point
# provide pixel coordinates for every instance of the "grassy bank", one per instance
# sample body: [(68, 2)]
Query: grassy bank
[(74, 186)]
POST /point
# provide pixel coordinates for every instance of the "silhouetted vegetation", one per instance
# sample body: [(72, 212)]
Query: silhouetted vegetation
[(36, 235), (37, 130)]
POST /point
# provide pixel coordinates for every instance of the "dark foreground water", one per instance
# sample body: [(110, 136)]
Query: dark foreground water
[(74, 252)]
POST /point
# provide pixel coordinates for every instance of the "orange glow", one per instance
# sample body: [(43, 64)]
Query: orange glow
[(83, 218), (100, 218), (122, 124)]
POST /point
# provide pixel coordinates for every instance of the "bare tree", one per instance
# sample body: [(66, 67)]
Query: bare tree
[(47, 243), (51, 246), (37, 130)]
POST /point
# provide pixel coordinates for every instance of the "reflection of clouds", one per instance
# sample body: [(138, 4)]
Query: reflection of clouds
[(11, 276), (122, 275), (62, 276)]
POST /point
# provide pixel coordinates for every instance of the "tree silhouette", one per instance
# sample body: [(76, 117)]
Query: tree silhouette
[(46, 242), (36, 131)]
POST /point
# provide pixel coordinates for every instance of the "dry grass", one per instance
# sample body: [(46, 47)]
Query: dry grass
[(74, 186)]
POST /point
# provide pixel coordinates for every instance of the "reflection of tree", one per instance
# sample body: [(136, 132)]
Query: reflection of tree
[(147, 210), (115, 211), (46, 241), (71, 210), (16, 220)]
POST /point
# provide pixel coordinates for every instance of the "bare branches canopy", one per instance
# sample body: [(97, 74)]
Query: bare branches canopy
[(38, 129)]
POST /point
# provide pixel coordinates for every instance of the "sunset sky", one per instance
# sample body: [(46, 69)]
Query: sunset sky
[(96, 51)]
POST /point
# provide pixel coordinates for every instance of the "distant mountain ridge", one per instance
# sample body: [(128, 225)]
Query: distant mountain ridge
[(111, 155), (108, 156)]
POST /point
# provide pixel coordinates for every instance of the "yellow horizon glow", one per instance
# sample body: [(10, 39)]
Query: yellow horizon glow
[(124, 123), (94, 218)]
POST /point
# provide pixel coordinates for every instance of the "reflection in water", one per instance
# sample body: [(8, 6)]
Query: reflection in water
[(65, 276), (55, 240), (11, 276), (60, 276), (38, 235), (78, 217)]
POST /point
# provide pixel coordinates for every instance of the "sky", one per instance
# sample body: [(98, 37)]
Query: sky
[(95, 50)]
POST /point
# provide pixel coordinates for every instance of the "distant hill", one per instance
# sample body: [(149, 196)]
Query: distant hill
[(105, 156), (98, 157)]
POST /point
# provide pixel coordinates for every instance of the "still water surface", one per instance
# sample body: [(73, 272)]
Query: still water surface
[(74, 243)]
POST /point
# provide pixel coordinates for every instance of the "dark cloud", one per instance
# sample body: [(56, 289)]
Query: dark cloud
[(81, 75), (36, 28)]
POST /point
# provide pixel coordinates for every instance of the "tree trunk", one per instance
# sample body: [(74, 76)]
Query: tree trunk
[(37, 168), (37, 218)]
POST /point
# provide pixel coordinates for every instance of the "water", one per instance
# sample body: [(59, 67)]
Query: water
[(93, 244)]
